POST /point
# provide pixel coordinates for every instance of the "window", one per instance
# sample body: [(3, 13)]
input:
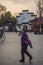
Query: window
[(19, 27)]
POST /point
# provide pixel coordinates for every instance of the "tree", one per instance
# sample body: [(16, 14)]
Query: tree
[(14, 20), (2, 8), (2, 12), (40, 8), (2, 21), (8, 18), (40, 11)]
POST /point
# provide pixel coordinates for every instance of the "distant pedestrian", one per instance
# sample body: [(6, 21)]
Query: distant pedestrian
[(24, 45)]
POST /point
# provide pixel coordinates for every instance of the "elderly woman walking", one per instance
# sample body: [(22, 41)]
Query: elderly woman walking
[(24, 45)]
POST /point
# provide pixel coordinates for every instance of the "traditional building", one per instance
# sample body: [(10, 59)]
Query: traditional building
[(24, 19), (35, 24)]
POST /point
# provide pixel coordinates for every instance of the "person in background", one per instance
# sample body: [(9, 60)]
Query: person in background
[(24, 46), (1, 32)]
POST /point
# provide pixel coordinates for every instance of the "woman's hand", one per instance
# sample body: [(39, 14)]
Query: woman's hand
[(26, 42)]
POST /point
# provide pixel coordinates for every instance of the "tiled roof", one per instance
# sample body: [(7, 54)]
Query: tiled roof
[(20, 13), (30, 13), (17, 16), (33, 15), (25, 10)]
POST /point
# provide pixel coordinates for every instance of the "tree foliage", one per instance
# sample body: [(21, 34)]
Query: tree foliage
[(2, 8), (7, 18), (40, 8)]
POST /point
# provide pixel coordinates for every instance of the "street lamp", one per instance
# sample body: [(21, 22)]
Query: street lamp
[(40, 12)]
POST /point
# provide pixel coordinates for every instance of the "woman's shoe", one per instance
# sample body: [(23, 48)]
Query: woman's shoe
[(30, 59), (21, 60)]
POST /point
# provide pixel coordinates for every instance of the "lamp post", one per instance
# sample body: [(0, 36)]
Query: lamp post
[(40, 14)]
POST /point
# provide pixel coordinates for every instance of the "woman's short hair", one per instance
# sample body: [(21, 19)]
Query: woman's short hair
[(24, 29)]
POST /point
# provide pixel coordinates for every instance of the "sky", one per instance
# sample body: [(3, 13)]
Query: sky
[(16, 6)]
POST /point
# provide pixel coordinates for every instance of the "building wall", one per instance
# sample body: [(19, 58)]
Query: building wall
[(24, 18), (35, 25)]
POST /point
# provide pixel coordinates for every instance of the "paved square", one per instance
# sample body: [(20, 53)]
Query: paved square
[(10, 50)]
